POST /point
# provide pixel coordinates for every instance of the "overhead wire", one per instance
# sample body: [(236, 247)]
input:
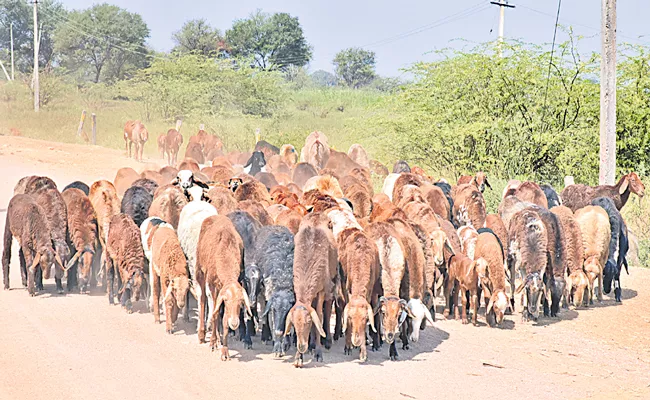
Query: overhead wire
[(550, 62)]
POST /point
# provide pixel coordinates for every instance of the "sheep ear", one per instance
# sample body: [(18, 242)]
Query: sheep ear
[(406, 308), (427, 314), (217, 308), (37, 259), (448, 247), (287, 324), (486, 290), (317, 323), (247, 302), (72, 261), (624, 185), (487, 183), (309, 208), (371, 318), (345, 318), (168, 292)]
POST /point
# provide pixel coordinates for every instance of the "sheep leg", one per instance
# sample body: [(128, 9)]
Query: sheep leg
[(30, 273), (327, 313), (247, 328), (473, 301), (224, 348), (448, 293), (6, 257), (338, 325), (600, 286), (38, 278), (110, 278), (318, 351), (156, 288), (23, 267), (617, 288), (347, 350), (58, 278), (129, 144), (464, 307), (392, 352), (203, 299), (404, 334), (170, 305)]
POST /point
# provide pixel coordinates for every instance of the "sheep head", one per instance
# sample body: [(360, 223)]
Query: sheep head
[(302, 317), (439, 242), (178, 288), (356, 314), (592, 268), (498, 304), (394, 311), (534, 288), (233, 296), (577, 285), (277, 309), (419, 313), (253, 276), (340, 220)]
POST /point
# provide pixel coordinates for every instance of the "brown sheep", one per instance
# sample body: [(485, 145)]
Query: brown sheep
[(125, 257), (360, 199), (577, 283), (168, 173), (479, 180), (512, 184), (340, 163), (124, 178), (462, 270), (57, 219), (189, 164), (219, 264), (437, 200), (161, 145), (82, 230), (302, 173), (529, 192), (410, 193), (257, 210), (135, 133), (359, 155), (22, 184), (289, 155), (488, 254), (253, 190), (169, 275), (468, 237), (578, 196), (195, 152), (378, 169), (326, 184), (155, 176), (27, 223), (596, 234), (402, 181), (289, 219), (422, 214), (222, 199), (221, 174), (469, 207), (313, 274), (384, 209), (359, 260), (173, 142), (393, 266), (103, 197), (510, 206), (496, 225), (316, 151), (167, 204)]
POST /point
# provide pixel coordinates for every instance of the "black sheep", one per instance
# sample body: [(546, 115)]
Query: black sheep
[(78, 185), (618, 246), (148, 184), (247, 226), (401, 167), (255, 164), (552, 197), (136, 203)]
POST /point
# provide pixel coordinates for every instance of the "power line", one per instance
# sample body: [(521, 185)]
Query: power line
[(550, 62), (461, 14)]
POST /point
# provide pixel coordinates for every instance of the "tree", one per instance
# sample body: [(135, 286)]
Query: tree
[(272, 41), (323, 78), (102, 42), (198, 36), (355, 66), (19, 12)]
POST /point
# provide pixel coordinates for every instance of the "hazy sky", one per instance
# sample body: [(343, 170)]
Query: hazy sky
[(400, 32)]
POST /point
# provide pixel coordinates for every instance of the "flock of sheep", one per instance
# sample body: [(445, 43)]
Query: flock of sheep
[(262, 241)]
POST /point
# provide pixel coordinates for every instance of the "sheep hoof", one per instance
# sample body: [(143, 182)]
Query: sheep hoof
[(6, 286), (170, 331), (224, 354), (347, 350), (319, 355)]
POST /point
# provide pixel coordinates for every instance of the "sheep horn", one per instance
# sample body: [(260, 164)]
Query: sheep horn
[(486, 290), (247, 302), (72, 261), (193, 291), (168, 292), (316, 322), (217, 308), (287, 324), (489, 306), (427, 314), (371, 318), (449, 248)]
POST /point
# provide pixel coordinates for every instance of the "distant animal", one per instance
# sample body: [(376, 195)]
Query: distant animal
[(578, 196), (255, 164), (78, 185), (173, 142), (135, 133), (479, 180)]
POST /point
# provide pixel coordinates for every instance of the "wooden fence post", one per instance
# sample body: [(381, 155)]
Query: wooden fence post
[(94, 124), (81, 122), (179, 122), (201, 127)]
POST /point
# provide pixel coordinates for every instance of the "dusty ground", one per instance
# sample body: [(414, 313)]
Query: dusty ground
[(78, 347)]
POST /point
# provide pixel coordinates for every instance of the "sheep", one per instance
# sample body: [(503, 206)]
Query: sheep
[(479, 180), (82, 231), (257, 210), (222, 199), (22, 183), (266, 148), (247, 227), (403, 181), (167, 204), (491, 274), (289, 219), (27, 223), (168, 174), (78, 185), (393, 266), (556, 265), (578, 196), (469, 207), (315, 263), (378, 169), (316, 150), (462, 269), (57, 219), (359, 155), (326, 184), (577, 282), (173, 142), (168, 275), (136, 203), (161, 145), (106, 204), (302, 172), (189, 164), (510, 206), (617, 253), (511, 186), (529, 192), (468, 237), (253, 190), (255, 164), (195, 152), (219, 265), (340, 164), (527, 252), (400, 167), (149, 185), (289, 155), (273, 257), (125, 257), (446, 189), (437, 200), (360, 199), (135, 133), (32, 184), (596, 236), (185, 179), (124, 178), (552, 198)]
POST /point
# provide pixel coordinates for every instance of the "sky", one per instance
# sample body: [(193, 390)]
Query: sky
[(400, 33)]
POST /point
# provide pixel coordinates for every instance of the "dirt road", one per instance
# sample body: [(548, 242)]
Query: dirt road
[(78, 347)]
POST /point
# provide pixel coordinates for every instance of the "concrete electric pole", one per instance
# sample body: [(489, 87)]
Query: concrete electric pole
[(607, 174), (502, 16), (37, 99)]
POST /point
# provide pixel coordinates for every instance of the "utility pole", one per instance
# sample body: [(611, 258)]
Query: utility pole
[(37, 97), (608, 93), (502, 17), (11, 35)]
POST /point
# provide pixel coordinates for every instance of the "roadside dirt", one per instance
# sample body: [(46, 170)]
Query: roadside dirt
[(78, 347)]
